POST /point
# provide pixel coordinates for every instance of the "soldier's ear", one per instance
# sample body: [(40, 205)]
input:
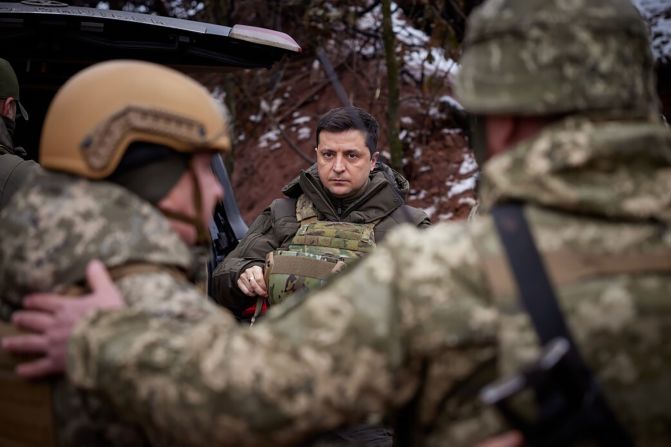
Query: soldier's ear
[(373, 160), (9, 108)]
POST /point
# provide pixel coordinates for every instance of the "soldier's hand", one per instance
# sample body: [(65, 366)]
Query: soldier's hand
[(252, 283), (509, 439), (52, 318)]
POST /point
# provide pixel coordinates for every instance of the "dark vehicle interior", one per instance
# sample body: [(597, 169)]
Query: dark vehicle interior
[(47, 42)]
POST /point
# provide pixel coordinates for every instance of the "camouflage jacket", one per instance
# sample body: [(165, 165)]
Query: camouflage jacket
[(50, 233), (382, 200), (14, 170), (413, 332)]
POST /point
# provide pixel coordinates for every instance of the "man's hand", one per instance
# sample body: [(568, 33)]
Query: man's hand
[(53, 317), (252, 283)]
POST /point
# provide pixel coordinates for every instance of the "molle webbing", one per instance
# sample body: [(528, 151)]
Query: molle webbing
[(26, 410), (335, 235), (566, 267)]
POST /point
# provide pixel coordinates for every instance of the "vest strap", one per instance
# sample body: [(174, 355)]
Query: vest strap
[(565, 267), (537, 296)]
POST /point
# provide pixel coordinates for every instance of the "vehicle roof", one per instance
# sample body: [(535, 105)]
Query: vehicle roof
[(48, 41)]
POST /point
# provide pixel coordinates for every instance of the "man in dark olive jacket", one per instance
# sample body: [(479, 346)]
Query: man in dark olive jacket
[(14, 168), (347, 196)]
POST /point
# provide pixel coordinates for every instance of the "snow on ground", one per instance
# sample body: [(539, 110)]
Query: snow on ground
[(468, 165), (658, 15), (304, 133), (470, 201), (417, 59), (461, 186), (301, 120), (451, 102), (269, 137)]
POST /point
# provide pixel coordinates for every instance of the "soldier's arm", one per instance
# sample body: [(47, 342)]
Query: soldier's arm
[(252, 250), (354, 350)]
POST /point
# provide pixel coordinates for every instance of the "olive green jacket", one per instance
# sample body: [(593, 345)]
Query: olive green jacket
[(412, 333), (381, 200), (14, 170)]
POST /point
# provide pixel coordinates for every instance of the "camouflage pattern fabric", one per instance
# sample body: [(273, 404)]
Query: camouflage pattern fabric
[(536, 57), (50, 232), (342, 239), (414, 331), (320, 241)]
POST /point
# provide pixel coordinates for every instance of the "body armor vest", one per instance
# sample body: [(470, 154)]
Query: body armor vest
[(318, 250)]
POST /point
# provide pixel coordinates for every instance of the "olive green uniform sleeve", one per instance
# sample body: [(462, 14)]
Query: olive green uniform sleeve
[(355, 351), (251, 250)]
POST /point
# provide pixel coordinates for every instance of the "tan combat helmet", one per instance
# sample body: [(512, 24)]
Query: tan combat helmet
[(545, 57), (100, 111)]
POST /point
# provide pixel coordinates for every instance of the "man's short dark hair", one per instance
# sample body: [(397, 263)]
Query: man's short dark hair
[(343, 119)]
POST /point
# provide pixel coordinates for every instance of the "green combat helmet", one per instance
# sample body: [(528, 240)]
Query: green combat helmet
[(552, 57)]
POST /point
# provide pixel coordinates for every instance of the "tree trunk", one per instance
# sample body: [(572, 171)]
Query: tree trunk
[(395, 147)]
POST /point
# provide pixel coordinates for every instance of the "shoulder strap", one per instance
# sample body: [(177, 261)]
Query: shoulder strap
[(538, 299)]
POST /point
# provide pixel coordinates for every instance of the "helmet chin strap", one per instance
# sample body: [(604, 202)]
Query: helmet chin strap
[(202, 234)]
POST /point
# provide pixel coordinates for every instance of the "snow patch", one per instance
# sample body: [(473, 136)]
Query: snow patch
[(463, 185), (451, 102), (468, 164), (304, 133), (452, 131), (470, 201), (407, 121), (269, 137), (301, 120)]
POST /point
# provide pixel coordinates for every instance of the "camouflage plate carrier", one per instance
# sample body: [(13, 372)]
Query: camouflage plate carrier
[(318, 250)]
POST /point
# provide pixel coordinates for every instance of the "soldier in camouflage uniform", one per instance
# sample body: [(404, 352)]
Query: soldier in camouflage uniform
[(336, 210), (14, 169), (571, 127), (125, 145)]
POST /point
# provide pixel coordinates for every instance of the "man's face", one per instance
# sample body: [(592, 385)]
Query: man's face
[(180, 197), (344, 162)]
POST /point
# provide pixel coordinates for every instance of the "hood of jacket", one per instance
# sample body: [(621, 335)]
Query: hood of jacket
[(61, 223), (612, 169), (386, 191)]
